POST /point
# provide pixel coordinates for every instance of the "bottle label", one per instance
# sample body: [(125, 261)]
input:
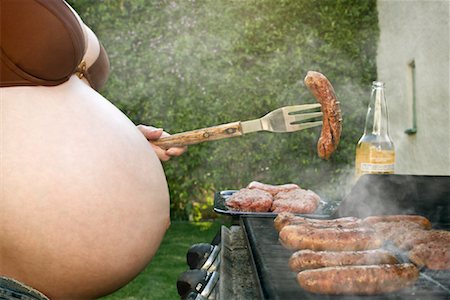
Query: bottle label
[(379, 162), (377, 168)]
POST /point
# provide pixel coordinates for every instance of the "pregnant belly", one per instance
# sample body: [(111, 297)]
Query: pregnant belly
[(84, 198)]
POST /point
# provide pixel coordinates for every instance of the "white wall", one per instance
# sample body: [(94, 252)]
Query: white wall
[(417, 30)]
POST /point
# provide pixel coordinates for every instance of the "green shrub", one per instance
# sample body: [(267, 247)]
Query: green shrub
[(183, 65)]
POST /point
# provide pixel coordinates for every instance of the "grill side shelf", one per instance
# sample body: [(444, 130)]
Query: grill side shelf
[(262, 289), (236, 279)]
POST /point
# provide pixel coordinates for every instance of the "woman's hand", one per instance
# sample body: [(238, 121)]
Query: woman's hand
[(152, 134)]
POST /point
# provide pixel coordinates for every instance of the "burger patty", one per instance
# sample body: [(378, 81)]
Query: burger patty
[(251, 200), (261, 197), (296, 201)]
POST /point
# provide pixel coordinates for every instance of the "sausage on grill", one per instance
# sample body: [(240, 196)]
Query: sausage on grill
[(435, 255), (417, 237), (296, 237), (308, 259), (323, 91), (420, 220), (358, 280), (286, 218)]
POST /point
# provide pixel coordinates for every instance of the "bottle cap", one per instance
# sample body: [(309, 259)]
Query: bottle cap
[(378, 84)]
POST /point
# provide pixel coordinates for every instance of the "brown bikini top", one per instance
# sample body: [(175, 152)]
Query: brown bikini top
[(42, 43)]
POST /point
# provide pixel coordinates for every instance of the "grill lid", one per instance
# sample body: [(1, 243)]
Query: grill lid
[(428, 196)]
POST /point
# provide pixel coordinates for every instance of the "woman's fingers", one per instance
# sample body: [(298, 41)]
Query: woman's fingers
[(153, 134), (176, 151)]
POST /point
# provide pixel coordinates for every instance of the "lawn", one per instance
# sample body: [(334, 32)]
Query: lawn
[(158, 280)]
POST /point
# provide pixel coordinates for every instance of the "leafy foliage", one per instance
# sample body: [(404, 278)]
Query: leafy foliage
[(183, 65)]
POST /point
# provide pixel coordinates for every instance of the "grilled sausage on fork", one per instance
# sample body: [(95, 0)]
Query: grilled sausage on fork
[(323, 91)]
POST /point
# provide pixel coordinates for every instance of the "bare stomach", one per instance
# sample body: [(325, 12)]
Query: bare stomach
[(84, 199)]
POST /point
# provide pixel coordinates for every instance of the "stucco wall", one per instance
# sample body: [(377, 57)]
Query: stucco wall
[(417, 30)]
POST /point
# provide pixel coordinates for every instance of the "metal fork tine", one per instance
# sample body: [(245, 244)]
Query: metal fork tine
[(298, 108), (305, 116), (302, 126), (278, 120)]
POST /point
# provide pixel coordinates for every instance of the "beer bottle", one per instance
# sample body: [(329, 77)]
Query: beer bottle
[(375, 153)]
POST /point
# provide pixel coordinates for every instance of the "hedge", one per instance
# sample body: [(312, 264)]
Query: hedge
[(183, 65)]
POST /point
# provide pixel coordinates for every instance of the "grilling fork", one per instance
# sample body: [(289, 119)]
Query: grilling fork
[(284, 119)]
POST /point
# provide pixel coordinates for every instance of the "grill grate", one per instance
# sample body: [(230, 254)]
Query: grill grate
[(277, 281), (428, 196)]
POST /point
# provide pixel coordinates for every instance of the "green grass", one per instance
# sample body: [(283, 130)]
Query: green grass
[(158, 280)]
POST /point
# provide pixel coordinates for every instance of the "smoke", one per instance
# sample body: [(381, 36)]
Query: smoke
[(398, 194)]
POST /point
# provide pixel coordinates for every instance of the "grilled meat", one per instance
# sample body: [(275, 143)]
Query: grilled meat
[(427, 247), (397, 232), (418, 237), (434, 255), (308, 259), (419, 220), (296, 237), (250, 200), (272, 189), (323, 91), (406, 235), (261, 197), (296, 201), (287, 218), (358, 280)]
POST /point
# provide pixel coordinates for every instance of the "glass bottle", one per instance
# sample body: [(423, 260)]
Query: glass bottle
[(375, 153)]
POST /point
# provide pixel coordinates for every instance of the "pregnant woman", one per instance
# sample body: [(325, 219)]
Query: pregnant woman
[(84, 202)]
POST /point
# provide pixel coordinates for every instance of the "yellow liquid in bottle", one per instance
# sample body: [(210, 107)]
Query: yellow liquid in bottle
[(372, 159)]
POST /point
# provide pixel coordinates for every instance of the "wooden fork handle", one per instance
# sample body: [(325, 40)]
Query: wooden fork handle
[(200, 135)]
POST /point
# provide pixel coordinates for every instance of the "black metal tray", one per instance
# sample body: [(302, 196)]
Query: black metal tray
[(323, 211)]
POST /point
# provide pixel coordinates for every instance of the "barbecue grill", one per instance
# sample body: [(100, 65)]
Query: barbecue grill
[(254, 265)]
